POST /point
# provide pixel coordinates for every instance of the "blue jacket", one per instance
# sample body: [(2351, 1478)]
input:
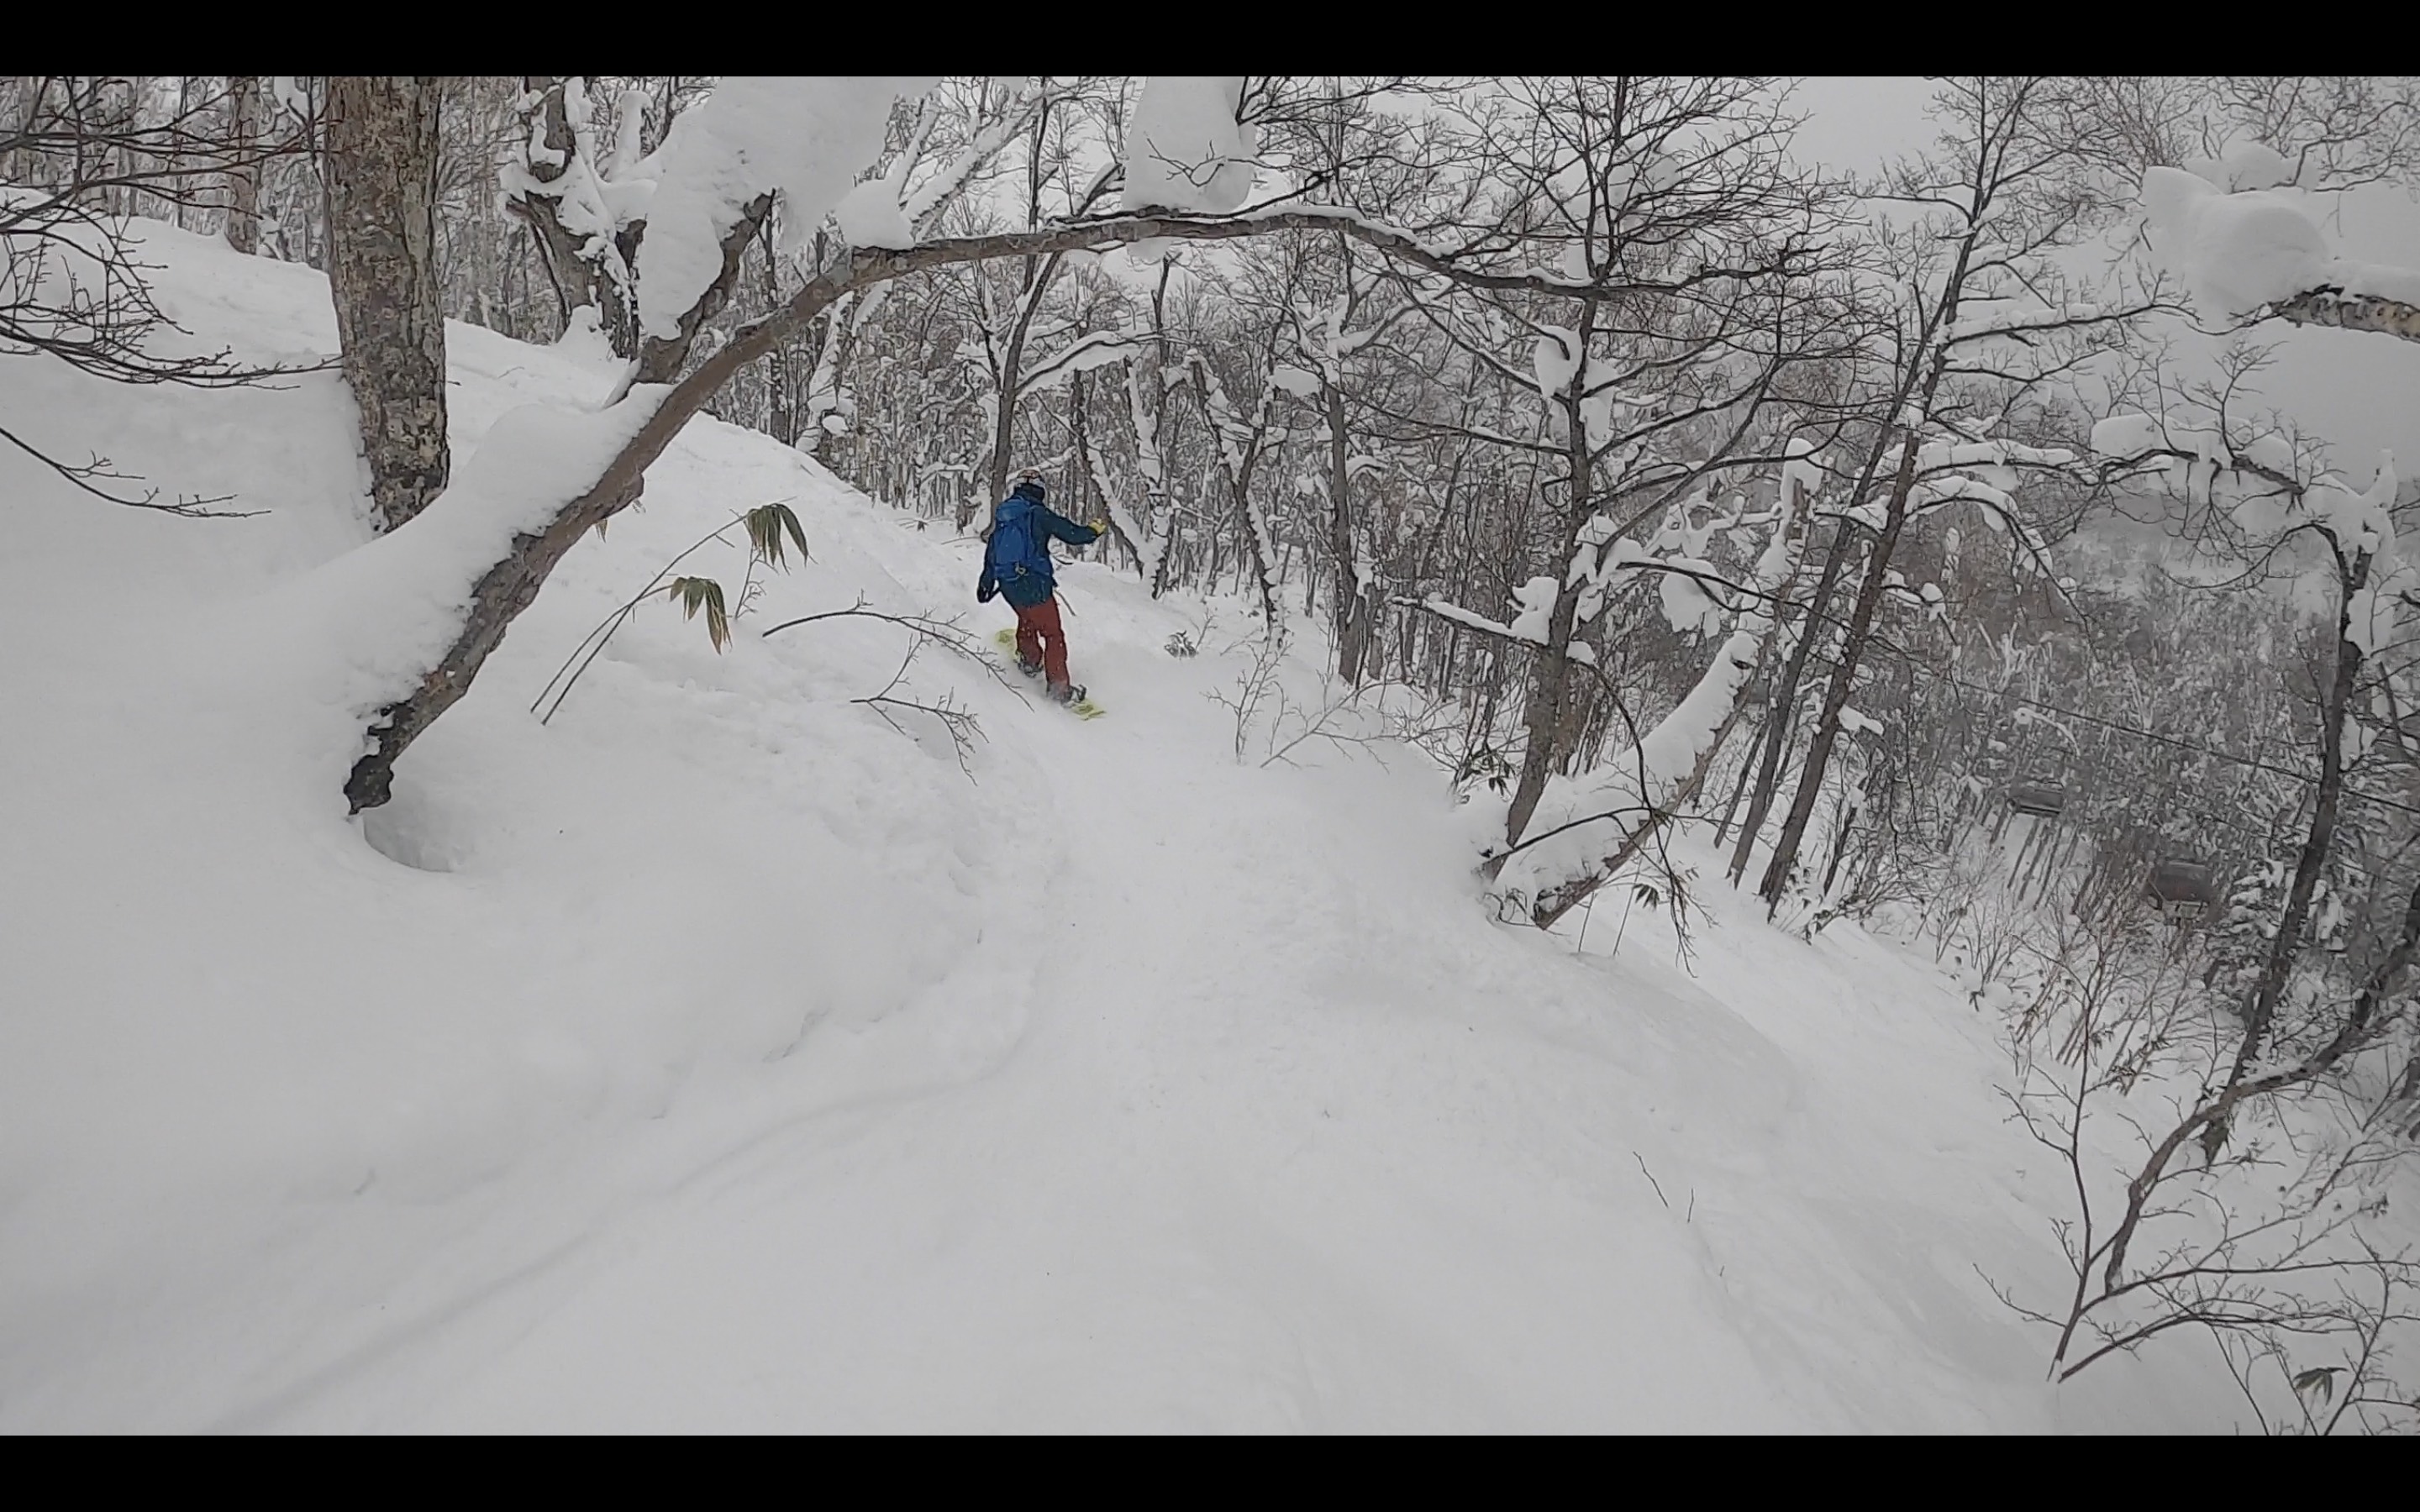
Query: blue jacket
[(1016, 562)]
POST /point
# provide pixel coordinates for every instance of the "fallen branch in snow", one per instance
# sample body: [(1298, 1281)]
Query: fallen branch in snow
[(964, 728), (1651, 1181), (948, 634)]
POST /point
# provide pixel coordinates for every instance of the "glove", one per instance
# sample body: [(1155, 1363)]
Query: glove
[(986, 589)]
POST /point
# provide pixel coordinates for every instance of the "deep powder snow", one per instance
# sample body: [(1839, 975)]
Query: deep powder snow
[(719, 1056)]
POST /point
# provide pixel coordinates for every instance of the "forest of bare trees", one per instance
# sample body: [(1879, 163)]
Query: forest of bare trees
[(1876, 527)]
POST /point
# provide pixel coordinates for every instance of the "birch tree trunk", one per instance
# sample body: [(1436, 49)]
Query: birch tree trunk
[(382, 177)]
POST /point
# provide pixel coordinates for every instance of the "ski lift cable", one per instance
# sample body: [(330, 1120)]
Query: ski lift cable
[(2351, 791)]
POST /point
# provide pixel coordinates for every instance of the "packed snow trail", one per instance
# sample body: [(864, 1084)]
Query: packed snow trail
[(719, 1056)]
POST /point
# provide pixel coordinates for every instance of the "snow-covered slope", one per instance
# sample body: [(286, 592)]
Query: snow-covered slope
[(720, 1056)]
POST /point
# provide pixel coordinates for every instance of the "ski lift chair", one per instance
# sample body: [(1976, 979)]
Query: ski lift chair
[(2041, 798), (2183, 889)]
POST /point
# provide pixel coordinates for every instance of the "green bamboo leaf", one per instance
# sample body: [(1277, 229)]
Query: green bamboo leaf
[(695, 594), (764, 535), (766, 525)]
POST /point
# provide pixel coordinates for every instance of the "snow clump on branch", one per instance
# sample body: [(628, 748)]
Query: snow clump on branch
[(805, 139), (1184, 148), (2240, 251)]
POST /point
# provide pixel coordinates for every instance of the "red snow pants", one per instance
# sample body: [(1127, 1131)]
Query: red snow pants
[(1039, 639)]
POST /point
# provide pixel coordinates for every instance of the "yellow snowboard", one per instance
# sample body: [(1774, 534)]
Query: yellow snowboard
[(1084, 708)]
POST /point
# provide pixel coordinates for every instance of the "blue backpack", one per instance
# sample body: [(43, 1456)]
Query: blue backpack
[(1016, 549)]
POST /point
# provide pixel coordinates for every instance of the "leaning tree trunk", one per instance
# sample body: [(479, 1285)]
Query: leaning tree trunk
[(1782, 708), (1564, 884), (1844, 676), (382, 270)]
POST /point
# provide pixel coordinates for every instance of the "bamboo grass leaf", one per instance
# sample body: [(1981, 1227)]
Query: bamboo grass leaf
[(766, 525), (695, 594)]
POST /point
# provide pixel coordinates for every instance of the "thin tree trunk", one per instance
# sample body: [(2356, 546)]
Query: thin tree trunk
[(244, 179), (1784, 705), (1003, 426), (1931, 361), (1547, 714), (1351, 614), (2316, 843), (1747, 766), (1836, 696), (381, 177)]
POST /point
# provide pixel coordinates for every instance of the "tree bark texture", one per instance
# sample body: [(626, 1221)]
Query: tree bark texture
[(2351, 311), (382, 159)]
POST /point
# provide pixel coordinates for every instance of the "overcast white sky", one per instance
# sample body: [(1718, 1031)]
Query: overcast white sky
[(1857, 123)]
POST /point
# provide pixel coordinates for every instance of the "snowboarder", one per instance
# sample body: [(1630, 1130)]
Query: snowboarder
[(1017, 566)]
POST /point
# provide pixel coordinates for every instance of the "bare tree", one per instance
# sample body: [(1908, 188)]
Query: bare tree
[(2001, 195), (88, 153)]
